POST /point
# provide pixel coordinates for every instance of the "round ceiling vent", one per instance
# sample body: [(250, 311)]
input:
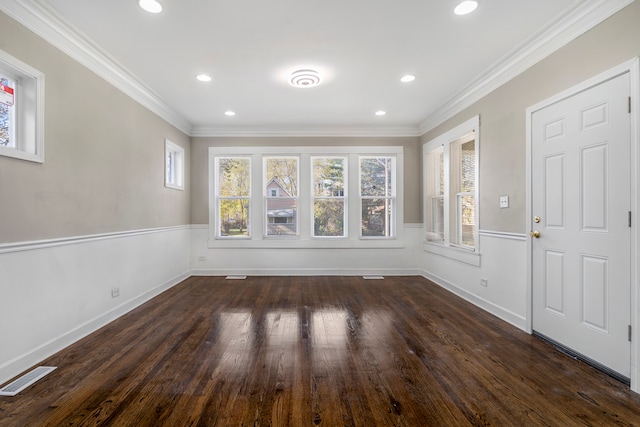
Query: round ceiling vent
[(304, 78)]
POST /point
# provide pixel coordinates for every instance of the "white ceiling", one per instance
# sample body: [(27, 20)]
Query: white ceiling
[(361, 47)]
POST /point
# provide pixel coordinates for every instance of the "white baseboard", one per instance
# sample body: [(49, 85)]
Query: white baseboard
[(13, 367), (308, 272), (500, 312)]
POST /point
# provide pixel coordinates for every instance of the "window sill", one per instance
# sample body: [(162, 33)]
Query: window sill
[(305, 244), (455, 253)]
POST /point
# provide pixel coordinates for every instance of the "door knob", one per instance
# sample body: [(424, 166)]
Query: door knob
[(535, 234)]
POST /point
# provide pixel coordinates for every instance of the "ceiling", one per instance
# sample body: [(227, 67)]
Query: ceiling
[(361, 48)]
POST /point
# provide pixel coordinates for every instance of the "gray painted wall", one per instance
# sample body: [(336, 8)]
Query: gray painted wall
[(104, 156), (503, 118), (200, 166)]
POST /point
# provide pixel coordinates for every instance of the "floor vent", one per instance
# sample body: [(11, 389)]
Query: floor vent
[(373, 277), (25, 381), (236, 277)]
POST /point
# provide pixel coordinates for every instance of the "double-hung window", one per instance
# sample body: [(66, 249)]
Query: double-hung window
[(329, 196), (21, 110), (233, 196), (377, 193), (307, 197), (451, 191), (281, 201)]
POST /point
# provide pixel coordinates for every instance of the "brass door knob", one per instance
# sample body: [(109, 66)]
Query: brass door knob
[(535, 234)]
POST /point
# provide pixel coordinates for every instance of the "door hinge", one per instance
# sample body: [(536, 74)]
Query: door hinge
[(629, 218), (629, 333), (629, 105)]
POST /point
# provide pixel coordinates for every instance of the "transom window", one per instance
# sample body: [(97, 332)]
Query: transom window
[(307, 196)]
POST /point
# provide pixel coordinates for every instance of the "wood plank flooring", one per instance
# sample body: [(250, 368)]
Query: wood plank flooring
[(316, 351)]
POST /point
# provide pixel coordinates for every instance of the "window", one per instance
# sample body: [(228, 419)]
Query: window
[(174, 170), (451, 188), (377, 193), (21, 110), (329, 207), (233, 196), (307, 197), (281, 178)]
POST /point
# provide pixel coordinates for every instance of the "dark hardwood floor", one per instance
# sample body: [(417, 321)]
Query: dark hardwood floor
[(316, 351)]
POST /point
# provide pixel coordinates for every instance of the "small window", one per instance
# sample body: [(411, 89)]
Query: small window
[(21, 110), (174, 165)]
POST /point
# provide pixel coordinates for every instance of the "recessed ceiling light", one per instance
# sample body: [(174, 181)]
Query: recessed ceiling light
[(305, 78), (408, 78), (151, 6), (203, 77), (380, 113), (229, 113), (465, 7)]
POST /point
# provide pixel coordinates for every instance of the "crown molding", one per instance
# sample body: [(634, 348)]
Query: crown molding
[(398, 131), (46, 23), (576, 19)]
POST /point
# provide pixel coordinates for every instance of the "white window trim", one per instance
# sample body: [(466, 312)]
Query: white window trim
[(344, 197), (177, 183), (445, 248), (29, 105), (266, 198), (305, 239)]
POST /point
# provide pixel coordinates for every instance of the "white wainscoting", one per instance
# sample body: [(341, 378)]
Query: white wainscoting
[(402, 260), (503, 264), (55, 292)]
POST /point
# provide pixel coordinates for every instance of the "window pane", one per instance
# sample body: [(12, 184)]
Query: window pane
[(328, 177), (281, 216), (376, 176), (328, 217), (234, 177), (466, 208), (6, 113), (468, 167), (281, 178), (435, 232), (376, 217), (234, 217), (171, 171), (282, 173)]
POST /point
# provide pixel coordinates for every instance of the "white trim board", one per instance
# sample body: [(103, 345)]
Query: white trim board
[(62, 241), (633, 68)]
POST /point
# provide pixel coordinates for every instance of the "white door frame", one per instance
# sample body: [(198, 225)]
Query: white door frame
[(633, 68)]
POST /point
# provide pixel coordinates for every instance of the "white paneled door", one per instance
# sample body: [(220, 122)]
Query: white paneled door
[(580, 228)]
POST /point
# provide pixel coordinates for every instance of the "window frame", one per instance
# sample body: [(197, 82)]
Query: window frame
[(174, 165), (28, 110), (390, 198), (445, 247), (344, 197), (278, 196), (305, 238), (215, 223)]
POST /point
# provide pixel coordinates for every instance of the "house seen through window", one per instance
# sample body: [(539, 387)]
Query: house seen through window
[(288, 194)]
